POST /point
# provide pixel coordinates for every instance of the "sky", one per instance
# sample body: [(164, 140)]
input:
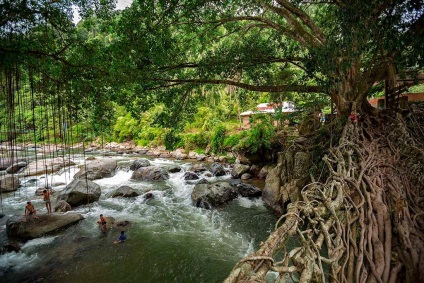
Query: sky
[(120, 5)]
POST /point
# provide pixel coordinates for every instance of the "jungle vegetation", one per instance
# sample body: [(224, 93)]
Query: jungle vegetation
[(178, 73)]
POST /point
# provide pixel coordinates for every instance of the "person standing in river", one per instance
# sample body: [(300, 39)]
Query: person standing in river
[(46, 198), (30, 209)]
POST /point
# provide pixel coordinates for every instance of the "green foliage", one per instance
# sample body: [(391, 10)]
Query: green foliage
[(218, 139), (232, 140), (416, 88), (194, 141), (258, 137), (172, 140), (125, 128)]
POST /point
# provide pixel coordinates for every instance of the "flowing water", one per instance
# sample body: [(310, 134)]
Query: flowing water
[(170, 240)]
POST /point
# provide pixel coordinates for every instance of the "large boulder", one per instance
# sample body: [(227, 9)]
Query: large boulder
[(9, 183), (47, 166), (80, 192), (62, 206), (190, 176), (141, 162), (212, 195), (239, 169), (97, 169), (174, 169), (35, 228), (7, 162), (151, 173), (124, 191), (264, 171), (271, 191), (15, 167), (199, 167), (201, 157), (247, 190), (217, 169)]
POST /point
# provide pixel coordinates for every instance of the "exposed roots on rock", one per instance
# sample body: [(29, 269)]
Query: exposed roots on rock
[(363, 224)]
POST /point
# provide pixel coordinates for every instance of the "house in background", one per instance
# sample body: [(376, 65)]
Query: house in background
[(266, 108), (404, 99)]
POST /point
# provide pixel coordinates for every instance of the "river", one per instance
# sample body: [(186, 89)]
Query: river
[(170, 240)]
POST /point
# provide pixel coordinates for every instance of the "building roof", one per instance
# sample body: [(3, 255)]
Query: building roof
[(268, 108)]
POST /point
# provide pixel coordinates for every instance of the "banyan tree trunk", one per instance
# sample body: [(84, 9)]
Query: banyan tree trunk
[(363, 224)]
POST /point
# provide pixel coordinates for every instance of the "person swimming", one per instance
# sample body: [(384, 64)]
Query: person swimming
[(122, 238)]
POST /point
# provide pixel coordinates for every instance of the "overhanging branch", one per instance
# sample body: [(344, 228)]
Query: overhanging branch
[(262, 88)]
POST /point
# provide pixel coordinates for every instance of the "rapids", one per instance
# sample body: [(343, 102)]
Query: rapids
[(170, 239)]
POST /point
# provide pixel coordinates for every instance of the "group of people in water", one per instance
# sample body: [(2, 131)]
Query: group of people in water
[(103, 227), (30, 210)]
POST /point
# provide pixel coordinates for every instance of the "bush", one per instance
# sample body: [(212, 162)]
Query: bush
[(218, 138), (195, 140), (233, 140), (150, 136), (172, 140), (258, 138)]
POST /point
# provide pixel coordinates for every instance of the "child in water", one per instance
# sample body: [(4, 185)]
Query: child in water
[(121, 238)]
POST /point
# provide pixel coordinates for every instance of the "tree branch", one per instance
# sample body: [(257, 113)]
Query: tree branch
[(305, 18), (263, 88)]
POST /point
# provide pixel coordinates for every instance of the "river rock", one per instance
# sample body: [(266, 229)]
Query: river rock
[(151, 173), (192, 155), (254, 170), (190, 176), (10, 247), (174, 169), (80, 192), (47, 166), (62, 206), (97, 169), (7, 162), (247, 190), (15, 167), (222, 159), (246, 176), (212, 195), (123, 225), (124, 191), (181, 156), (201, 157), (199, 167), (9, 183), (199, 181), (217, 169), (271, 191), (239, 169), (35, 228), (141, 162), (264, 171)]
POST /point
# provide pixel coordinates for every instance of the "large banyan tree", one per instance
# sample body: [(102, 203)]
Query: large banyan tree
[(361, 219)]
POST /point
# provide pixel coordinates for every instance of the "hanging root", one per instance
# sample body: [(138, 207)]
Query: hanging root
[(357, 226)]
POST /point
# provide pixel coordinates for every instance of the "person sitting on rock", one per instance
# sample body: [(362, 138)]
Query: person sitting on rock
[(30, 209), (102, 223), (122, 238), (46, 198)]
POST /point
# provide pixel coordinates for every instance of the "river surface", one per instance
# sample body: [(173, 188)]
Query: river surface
[(170, 239)]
